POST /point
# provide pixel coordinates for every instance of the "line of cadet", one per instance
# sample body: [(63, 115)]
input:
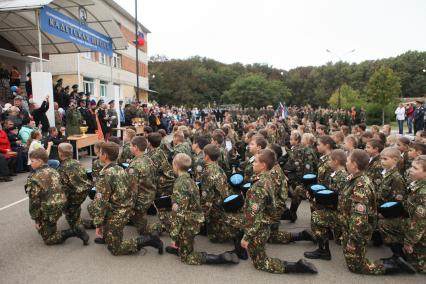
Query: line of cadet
[(186, 182)]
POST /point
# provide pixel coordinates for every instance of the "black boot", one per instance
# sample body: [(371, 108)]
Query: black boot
[(293, 211), (323, 251), (397, 251), (68, 233), (286, 215), (150, 241), (398, 265), (203, 230), (80, 233), (223, 258), (304, 235), (376, 238), (172, 250), (302, 266), (238, 249)]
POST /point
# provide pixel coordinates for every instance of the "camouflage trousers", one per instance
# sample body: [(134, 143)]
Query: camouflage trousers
[(48, 229), (257, 252), (184, 235), (393, 230), (219, 231), (277, 236), (299, 194), (138, 218), (354, 250), (113, 235), (72, 209), (322, 220), (164, 223)]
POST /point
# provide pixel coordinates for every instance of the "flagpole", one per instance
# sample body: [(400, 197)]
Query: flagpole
[(137, 49)]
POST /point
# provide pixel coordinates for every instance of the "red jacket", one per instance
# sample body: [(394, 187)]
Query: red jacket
[(4, 143)]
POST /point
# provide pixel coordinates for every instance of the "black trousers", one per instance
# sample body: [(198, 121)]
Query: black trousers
[(4, 168)]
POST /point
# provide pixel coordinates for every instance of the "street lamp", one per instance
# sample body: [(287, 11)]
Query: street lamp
[(340, 59)]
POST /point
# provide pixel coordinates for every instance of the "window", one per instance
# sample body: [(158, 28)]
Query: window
[(117, 90), (116, 59), (103, 59), (87, 55), (88, 85), (103, 88)]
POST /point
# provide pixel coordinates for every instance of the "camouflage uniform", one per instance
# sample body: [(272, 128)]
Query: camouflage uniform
[(358, 210), (281, 194), (374, 171), (223, 161), (259, 211), (47, 200), (187, 217), (126, 155), (412, 230), (165, 179), (75, 185), (198, 166), (248, 170), (143, 184), (96, 168), (324, 218), (214, 189), (182, 148), (324, 170), (112, 207), (391, 188)]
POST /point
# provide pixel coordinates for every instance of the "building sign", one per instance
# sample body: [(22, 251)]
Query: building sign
[(57, 24)]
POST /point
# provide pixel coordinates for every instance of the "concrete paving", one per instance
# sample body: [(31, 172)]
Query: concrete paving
[(25, 259)]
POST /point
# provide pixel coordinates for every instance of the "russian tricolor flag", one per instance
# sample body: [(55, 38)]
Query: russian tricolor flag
[(141, 39)]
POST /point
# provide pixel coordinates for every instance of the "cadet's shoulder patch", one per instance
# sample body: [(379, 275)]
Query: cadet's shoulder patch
[(255, 207), (420, 211), (199, 168), (98, 195), (175, 207), (360, 208), (349, 177), (131, 171), (204, 193), (399, 197)]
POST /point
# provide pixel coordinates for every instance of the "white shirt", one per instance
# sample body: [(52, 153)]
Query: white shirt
[(400, 113)]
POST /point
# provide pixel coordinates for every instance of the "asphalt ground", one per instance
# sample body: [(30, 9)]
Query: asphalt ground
[(25, 259)]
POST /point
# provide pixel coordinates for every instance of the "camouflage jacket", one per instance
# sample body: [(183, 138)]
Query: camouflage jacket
[(324, 169), (73, 178), (187, 214), (223, 160), (142, 180), (198, 166), (126, 155), (182, 148), (415, 204), (214, 189), (259, 206), (374, 171), (163, 171), (357, 206), (337, 180), (248, 170), (113, 194), (391, 188), (280, 188), (96, 168), (45, 193)]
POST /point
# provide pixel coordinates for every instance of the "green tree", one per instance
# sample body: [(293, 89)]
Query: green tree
[(348, 98), (384, 87), (254, 90)]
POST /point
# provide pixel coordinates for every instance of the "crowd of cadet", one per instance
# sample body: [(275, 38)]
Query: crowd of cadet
[(231, 181)]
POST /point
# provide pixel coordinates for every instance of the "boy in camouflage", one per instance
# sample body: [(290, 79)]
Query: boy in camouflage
[(187, 218), (198, 163), (324, 218), (257, 143), (47, 200), (358, 211), (74, 183), (142, 181), (374, 170), (259, 210), (416, 149), (126, 155), (407, 236), (112, 206)]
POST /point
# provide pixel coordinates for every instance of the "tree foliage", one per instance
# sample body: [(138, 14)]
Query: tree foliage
[(348, 98)]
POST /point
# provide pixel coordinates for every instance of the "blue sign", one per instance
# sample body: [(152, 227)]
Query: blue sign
[(57, 24)]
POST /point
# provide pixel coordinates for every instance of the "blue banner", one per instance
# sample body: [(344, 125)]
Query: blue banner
[(57, 24)]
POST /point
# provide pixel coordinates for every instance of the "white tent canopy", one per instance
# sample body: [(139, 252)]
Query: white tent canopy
[(18, 25)]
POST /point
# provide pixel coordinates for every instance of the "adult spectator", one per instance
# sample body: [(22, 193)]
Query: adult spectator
[(4, 169), (15, 77), (56, 138), (14, 117), (6, 150), (400, 117), (39, 115), (17, 146), (91, 120), (29, 86), (410, 116), (23, 112), (25, 131), (418, 117)]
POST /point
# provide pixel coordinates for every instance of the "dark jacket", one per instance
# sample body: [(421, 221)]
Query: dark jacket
[(39, 116)]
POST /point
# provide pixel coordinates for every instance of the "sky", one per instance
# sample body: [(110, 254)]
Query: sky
[(282, 33)]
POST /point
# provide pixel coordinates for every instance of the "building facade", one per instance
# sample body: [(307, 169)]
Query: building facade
[(104, 76)]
